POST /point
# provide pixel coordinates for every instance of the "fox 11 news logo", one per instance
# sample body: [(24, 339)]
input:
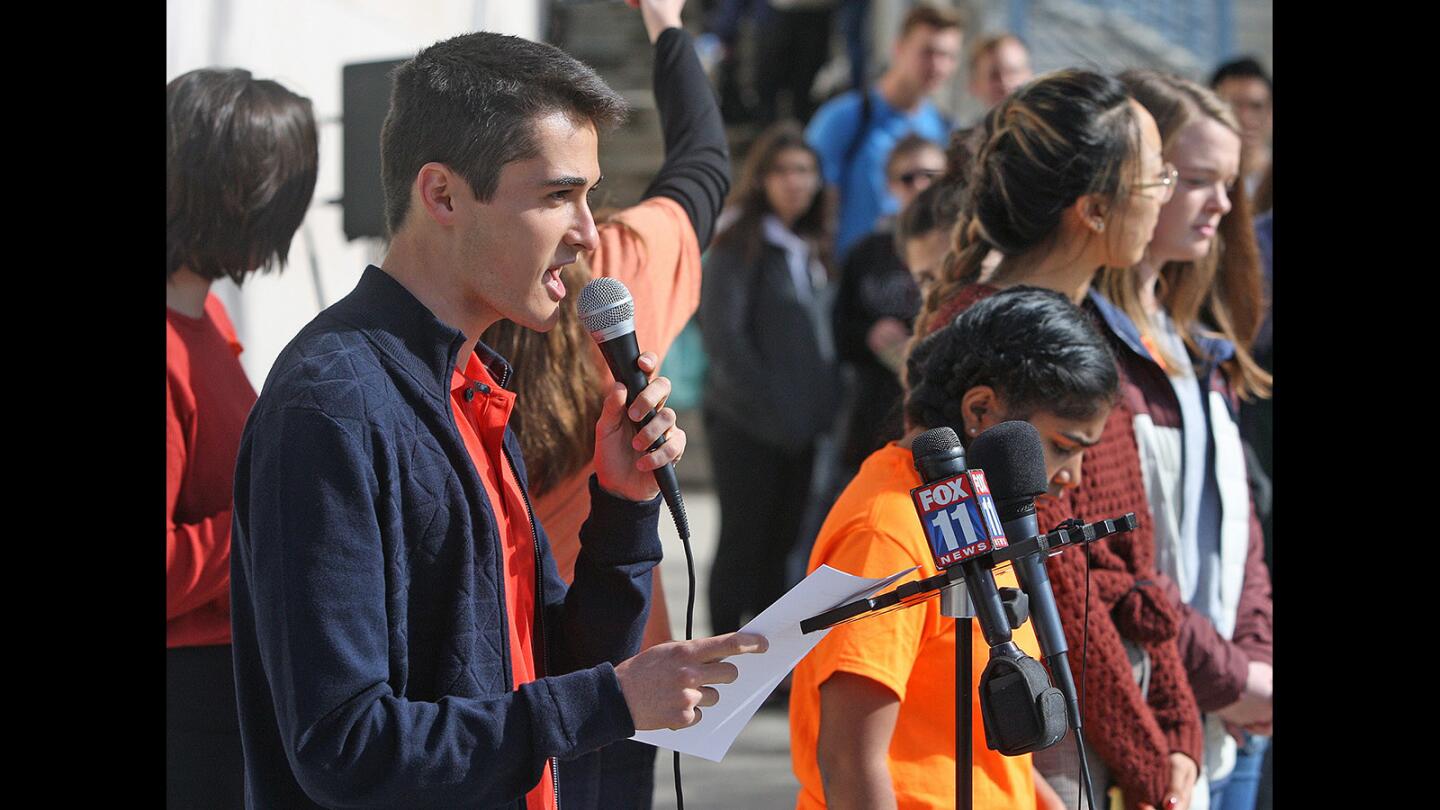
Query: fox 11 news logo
[(959, 517)]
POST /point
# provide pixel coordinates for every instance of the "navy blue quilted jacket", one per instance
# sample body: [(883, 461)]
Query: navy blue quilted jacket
[(372, 660)]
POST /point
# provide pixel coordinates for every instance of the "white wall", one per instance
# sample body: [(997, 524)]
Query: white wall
[(303, 44)]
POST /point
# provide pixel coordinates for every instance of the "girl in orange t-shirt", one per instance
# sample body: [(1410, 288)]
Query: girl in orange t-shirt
[(872, 708)]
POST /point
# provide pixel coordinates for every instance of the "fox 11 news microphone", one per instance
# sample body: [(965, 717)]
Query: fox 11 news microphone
[(1021, 711)]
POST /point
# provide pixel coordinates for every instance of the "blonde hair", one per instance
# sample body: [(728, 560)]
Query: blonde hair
[(1220, 294)]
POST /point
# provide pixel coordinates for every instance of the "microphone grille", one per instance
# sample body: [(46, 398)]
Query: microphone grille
[(933, 440), (603, 303), (1013, 458)]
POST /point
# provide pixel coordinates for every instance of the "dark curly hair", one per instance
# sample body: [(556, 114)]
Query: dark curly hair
[(1035, 348)]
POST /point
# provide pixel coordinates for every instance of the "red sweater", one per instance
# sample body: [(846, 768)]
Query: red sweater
[(207, 398), (1133, 735)]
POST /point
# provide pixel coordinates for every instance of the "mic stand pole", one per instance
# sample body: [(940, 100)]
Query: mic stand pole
[(955, 601)]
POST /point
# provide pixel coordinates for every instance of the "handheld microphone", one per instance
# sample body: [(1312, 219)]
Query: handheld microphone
[(1015, 458), (608, 313)]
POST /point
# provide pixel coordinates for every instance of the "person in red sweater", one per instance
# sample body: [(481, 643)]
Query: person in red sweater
[(241, 162), (1105, 182)]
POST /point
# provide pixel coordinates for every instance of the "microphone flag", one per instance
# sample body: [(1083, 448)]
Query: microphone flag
[(959, 517)]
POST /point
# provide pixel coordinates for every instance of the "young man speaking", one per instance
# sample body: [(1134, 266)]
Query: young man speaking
[(401, 635)]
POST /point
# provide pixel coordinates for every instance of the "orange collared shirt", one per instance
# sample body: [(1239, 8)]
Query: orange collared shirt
[(481, 409)]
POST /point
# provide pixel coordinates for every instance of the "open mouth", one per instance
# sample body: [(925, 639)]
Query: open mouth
[(553, 284)]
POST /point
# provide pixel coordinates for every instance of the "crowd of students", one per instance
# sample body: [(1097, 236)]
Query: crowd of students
[(1093, 257), (1130, 198)]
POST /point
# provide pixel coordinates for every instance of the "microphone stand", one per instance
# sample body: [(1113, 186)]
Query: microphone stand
[(955, 601)]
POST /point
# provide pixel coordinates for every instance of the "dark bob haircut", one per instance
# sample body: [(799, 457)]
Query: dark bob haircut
[(241, 160), (469, 103), (1035, 348)]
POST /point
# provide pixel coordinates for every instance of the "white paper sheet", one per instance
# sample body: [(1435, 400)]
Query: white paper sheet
[(720, 724)]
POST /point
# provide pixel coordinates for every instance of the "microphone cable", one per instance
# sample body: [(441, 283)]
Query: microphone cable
[(682, 526), (1089, 788)]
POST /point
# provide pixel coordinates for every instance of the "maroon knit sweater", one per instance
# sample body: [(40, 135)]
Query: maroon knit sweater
[(1133, 735)]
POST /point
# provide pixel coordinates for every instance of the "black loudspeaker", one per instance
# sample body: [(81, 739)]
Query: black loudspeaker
[(365, 102)]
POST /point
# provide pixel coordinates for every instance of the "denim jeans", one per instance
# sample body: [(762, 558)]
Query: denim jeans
[(1237, 791)]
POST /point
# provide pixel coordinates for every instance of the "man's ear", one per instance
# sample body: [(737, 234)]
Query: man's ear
[(435, 184), (981, 409)]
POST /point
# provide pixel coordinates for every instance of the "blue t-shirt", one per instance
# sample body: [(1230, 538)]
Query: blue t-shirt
[(864, 197)]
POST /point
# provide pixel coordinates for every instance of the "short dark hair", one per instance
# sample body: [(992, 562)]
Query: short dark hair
[(470, 102), (1246, 67), (939, 18), (240, 167), (1035, 348)]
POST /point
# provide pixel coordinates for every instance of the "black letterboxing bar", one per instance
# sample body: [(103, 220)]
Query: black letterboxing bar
[(1071, 532)]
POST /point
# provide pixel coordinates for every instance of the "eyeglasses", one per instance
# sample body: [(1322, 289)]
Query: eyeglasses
[(909, 178), (1168, 175)]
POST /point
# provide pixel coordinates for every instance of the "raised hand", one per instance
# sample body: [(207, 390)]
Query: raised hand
[(658, 15)]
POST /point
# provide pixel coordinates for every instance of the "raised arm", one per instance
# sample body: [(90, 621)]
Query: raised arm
[(696, 171)]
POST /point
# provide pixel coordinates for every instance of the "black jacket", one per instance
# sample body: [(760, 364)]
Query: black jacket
[(372, 660), (769, 372)]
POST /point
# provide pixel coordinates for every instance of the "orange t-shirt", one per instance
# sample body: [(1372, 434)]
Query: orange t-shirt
[(652, 249), (481, 419), (873, 531)]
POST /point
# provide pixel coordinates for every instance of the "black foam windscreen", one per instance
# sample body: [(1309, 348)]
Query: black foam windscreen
[(365, 101), (1013, 458)]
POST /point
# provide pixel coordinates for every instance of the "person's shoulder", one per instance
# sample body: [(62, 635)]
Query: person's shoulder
[(932, 123), (841, 111), (328, 366), (874, 515)]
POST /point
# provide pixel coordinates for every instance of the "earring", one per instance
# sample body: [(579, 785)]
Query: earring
[(974, 431), (1099, 226)]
